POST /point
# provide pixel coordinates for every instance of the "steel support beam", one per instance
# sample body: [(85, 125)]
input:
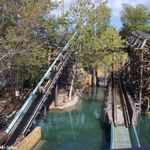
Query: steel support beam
[(56, 95)]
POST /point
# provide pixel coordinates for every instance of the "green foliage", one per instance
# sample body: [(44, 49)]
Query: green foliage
[(109, 48), (135, 17), (110, 40), (25, 33), (27, 27), (52, 26), (58, 29), (96, 41)]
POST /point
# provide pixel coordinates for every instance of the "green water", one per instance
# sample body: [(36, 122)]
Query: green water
[(143, 130), (81, 128)]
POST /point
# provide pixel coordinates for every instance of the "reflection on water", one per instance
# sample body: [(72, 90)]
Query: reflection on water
[(143, 130), (78, 129)]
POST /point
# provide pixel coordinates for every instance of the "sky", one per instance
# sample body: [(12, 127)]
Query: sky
[(116, 7)]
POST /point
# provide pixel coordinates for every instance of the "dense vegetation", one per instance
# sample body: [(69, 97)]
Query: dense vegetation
[(135, 18), (30, 33), (97, 42), (25, 33)]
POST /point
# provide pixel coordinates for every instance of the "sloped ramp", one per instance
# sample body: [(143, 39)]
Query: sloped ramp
[(122, 137)]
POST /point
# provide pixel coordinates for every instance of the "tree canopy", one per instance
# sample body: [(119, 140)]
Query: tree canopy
[(135, 17), (23, 33), (96, 39), (28, 28)]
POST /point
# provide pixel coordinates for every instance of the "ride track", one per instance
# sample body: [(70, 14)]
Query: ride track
[(30, 109), (120, 101), (123, 133)]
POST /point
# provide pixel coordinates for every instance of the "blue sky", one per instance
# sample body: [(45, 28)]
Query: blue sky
[(116, 7)]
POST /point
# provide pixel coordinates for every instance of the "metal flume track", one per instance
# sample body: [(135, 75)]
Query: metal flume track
[(32, 112), (18, 131), (124, 104), (120, 134), (30, 109), (120, 109)]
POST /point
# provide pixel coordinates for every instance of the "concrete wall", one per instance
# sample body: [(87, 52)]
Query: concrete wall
[(30, 140)]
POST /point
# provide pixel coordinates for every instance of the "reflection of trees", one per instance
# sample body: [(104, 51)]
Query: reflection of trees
[(58, 120)]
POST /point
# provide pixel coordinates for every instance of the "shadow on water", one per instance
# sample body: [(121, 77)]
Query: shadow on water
[(95, 93), (143, 130), (106, 135)]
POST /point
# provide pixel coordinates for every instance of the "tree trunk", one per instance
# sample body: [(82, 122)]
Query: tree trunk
[(56, 95), (105, 76), (72, 83), (94, 77), (112, 75)]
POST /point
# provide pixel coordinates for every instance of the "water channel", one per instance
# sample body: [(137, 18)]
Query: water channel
[(143, 130), (79, 128)]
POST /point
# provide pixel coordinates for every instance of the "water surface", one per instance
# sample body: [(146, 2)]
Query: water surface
[(80, 128), (143, 130)]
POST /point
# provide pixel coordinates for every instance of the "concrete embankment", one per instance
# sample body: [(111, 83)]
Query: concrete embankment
[(64, 103), (30, 141), (33, 140)]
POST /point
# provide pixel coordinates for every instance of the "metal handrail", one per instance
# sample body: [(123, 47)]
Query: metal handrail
[(19, 115), (45, 96)]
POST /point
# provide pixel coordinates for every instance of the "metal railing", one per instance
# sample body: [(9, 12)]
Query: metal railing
[(20, 114)]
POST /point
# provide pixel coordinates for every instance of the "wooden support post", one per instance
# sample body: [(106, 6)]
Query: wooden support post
[(56, 95), (129, 66), (141, 78), (141, 71), (113, 75), (45, 109)]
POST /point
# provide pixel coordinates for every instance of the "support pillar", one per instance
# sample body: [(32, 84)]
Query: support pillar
[(45, 110), (141, 78), (141, 70), (56, 95), (94, 78)]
